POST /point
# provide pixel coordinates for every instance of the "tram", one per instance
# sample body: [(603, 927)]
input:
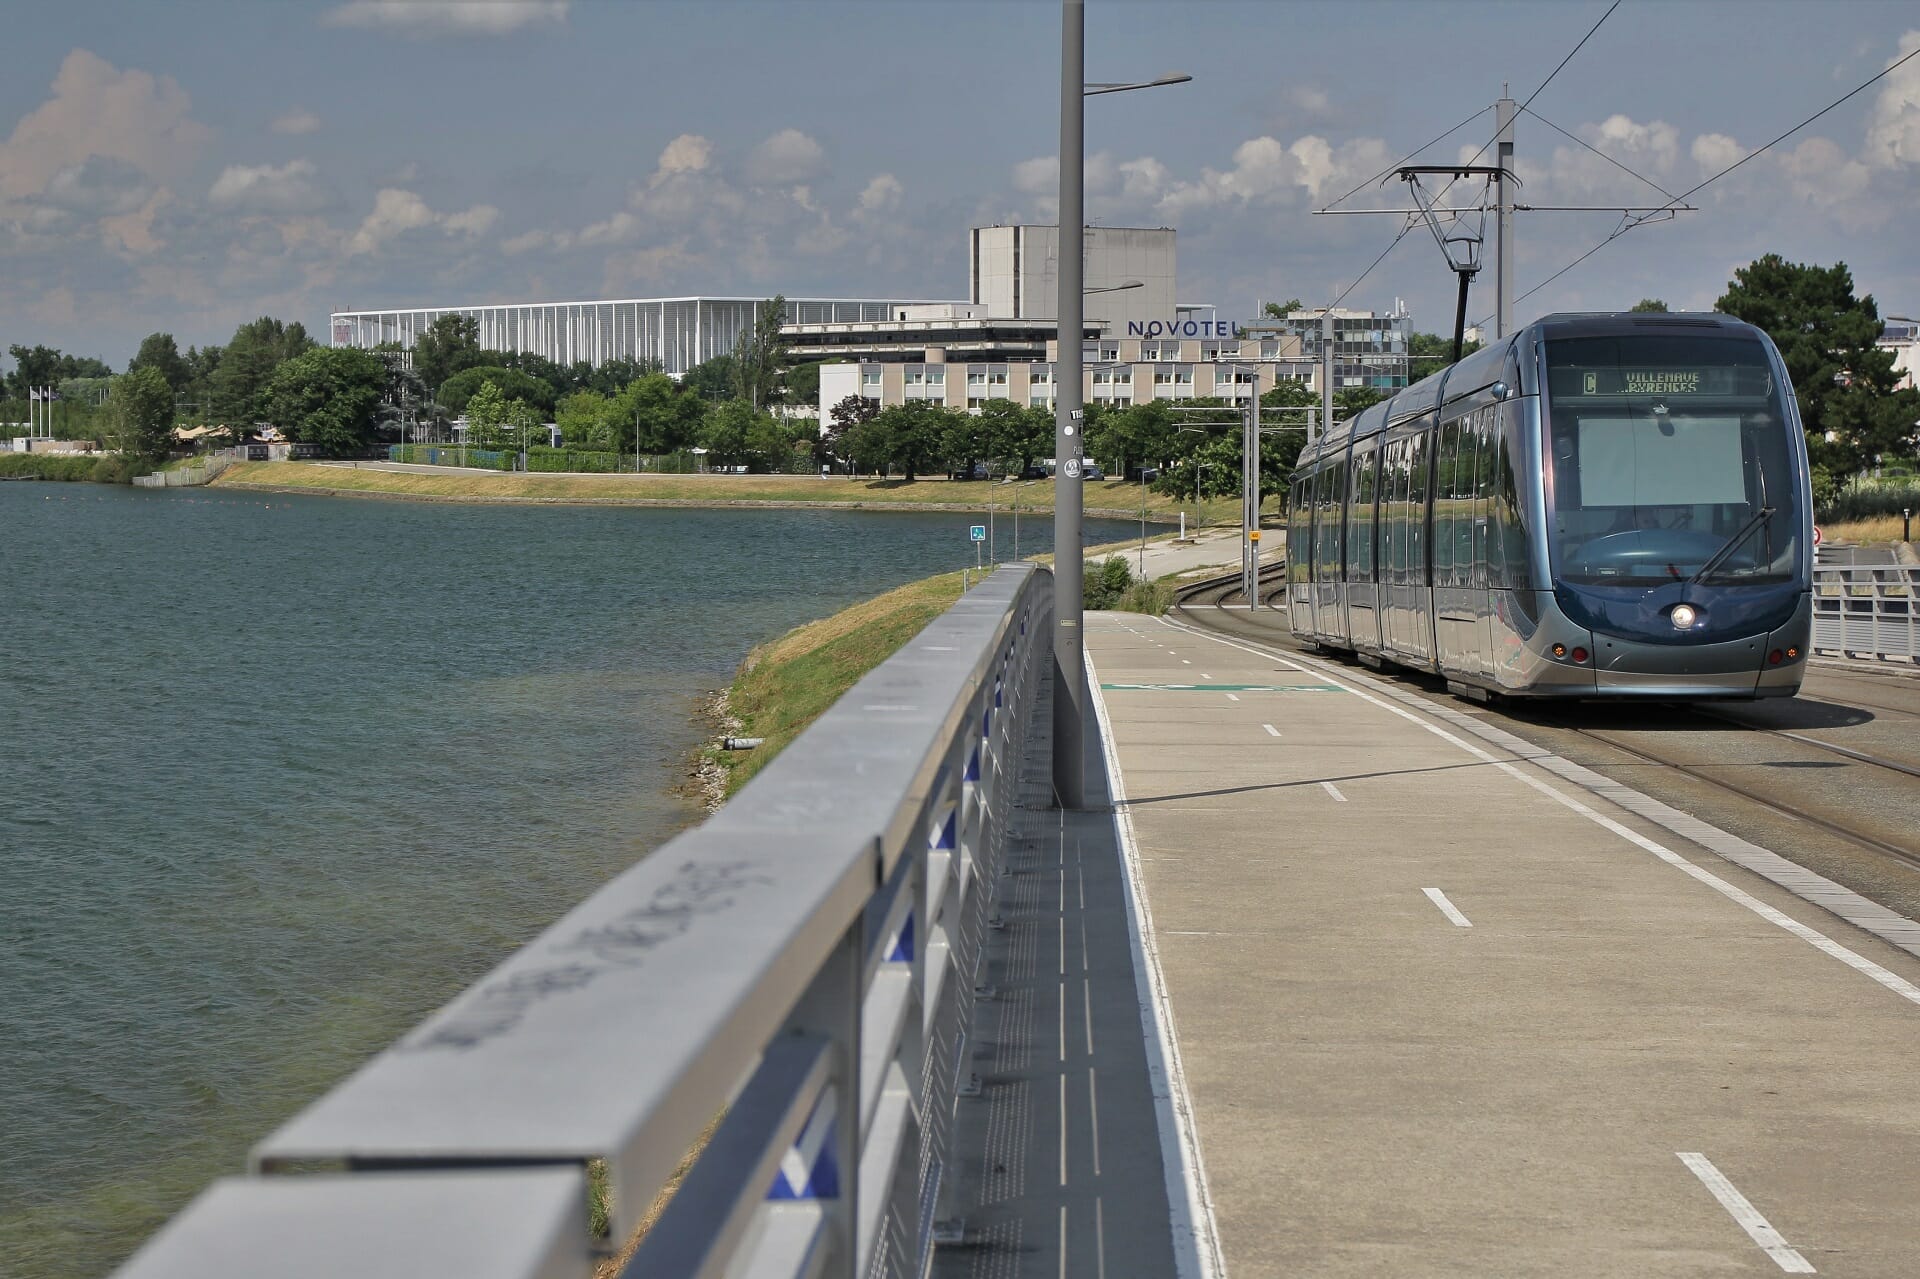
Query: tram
[(1599, 506)]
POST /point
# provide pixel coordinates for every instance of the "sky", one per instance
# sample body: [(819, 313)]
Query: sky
[(190, 166)]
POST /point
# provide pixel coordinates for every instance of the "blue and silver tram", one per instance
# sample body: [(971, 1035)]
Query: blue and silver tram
[(1600, 506)]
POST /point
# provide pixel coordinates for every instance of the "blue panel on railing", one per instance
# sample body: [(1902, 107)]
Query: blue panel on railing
[(809, 1170)]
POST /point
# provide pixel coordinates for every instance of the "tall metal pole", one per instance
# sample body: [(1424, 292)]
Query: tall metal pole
[(1069, 669), (1326, 374), (1503, 256), (1250, 501)]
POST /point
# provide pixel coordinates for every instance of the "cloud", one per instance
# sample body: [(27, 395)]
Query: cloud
[(688, 153), (297, 121), (448, 17), (1893, 132), (97, 110), (397, 212), (289, 188), (1713, 152), (881, 195), (98, 187), (786, 158)]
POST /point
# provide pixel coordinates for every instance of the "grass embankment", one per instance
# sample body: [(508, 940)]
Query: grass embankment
[(1111, 498), (786, 684)]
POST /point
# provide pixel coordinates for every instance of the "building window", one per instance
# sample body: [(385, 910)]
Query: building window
[(870, 379), (936, 377), (1110, 352), (975, 380)]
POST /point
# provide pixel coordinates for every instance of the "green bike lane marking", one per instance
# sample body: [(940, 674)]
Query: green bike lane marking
[(1226, 688)]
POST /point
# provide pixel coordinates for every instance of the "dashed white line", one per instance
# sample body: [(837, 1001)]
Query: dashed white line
[(1204, 675), (1099, 1241), (1081, 872), (1271, 730), (1093, 1109), (1447, 908), (1233, 697), (1086, 1003), (1333, 790), (1063, 1021), (1063, 1155), (1063, 1227), (1758, 1228)]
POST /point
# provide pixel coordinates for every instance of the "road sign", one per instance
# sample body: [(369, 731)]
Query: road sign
[(1073, 468), (1818, 536), (978, 532)]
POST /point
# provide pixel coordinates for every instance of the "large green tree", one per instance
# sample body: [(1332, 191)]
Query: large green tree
[(239, 382), (48, 366), (1645, 305), (654, 414), (712, 380), (458, 390), (328, 397), (143, 414), (159, 351), (586, 421), (496, 420), (726, 433), (915, 434), (1845, 385), (760, 353), (1428, 353), (448, 345)]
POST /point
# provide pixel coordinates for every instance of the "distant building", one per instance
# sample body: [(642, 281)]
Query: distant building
[(1369, 349), (1902, 336), (1014, 271)]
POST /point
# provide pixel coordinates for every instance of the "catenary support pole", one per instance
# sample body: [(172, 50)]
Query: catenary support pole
[(1503, 201), (1326, 373), (1069, 671)]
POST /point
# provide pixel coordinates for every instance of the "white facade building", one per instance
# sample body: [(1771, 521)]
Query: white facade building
[(678, 333), (1014, 271)]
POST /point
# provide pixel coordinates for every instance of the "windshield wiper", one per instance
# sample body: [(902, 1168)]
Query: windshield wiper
[(1745, 531)]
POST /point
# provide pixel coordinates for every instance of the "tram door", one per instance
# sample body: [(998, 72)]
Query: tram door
[(1419, 625), (1363, 605), (1330, 491), (1460, 597)]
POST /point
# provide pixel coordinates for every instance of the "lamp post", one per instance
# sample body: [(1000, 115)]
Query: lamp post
[(1069, 667)]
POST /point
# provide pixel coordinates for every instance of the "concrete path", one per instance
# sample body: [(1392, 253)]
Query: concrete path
[(1443, 1014)]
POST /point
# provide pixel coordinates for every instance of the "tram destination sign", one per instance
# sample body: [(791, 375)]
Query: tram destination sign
[(1669, 381)]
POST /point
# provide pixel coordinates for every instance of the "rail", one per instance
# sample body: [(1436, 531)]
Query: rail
[(801, 965), (1866, 611)]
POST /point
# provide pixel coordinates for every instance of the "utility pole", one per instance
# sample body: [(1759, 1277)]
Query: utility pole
[(1069, 667), (1326, 376), (1250, 497), (1503, 234)]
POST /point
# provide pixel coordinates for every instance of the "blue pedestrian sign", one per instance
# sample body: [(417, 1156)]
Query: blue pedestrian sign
[(978, 532)]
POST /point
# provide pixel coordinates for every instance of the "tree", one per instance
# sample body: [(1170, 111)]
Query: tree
[(666, 416), (724, 432), (239, 382), (614, 376), (586, 421), (801, 384), (711, 380), (158, 351), (914, 434), (843, 420), (1431, 352), (457, 390), (1649, 304), (760, 353), (1355, 399), (1281, 310), (498, 421), (448, 345), (1846, 386), (329, 397), (143, 414), (48, 366)]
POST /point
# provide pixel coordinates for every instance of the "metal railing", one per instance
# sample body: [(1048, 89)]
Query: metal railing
[(802, 965), (1866, 611)]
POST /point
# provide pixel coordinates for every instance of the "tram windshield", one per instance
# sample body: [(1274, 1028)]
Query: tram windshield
[(1669, 462)]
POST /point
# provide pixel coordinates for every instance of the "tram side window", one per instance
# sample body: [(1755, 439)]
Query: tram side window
[(1421, 447), (1360, 517), (1393, 492), (1332, 509), (1484, 443), (1324, 528), (1443, 515), (1299, 521), (1508, 521)]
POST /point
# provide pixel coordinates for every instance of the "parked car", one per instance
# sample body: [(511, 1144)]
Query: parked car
[(1036, 472), (1092, 471), (978, 471)]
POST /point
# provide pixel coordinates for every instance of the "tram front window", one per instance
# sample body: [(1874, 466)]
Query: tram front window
[(1670, 461)]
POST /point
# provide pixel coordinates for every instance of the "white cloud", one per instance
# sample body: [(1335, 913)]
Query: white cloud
[(397, 212), (786, 158), (290, 188), (97, 110), (297, 121), (1038, 176), (1893, 132), (1713, 152), (98, 187), (881, 195), (688, 153), (452, 17)]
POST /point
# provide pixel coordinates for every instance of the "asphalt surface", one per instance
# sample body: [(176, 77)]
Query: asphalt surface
[(1443, 1011)]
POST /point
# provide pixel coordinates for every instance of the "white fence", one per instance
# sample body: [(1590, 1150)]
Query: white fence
[(1866, 611)]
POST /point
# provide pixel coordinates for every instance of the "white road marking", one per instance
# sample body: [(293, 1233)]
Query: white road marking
[(1063, 1151), (1086, 1005), (1819, 941), (1271, 730), (1063, 944), (1063, 1021), (1447, 908), (1099, 1240), (1186, 661), (1063, 1229), (1204, 675), (1233, 697), (1093, 1108), (1742, 1211), (1080, 872), (1333, 790)]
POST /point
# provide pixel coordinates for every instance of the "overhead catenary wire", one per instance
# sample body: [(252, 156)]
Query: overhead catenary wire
[(1561, 65), (1575, 138), (1629, 222)]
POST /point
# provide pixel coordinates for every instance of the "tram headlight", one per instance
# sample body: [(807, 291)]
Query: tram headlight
[(1684, 616)]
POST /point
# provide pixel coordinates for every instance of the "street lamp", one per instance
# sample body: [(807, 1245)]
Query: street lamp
[(1069, 665)]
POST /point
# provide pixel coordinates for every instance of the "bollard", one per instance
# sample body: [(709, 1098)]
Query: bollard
[(1906, 523)]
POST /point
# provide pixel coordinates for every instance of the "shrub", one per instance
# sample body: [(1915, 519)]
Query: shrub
[(1866, 502), (1103, 584)]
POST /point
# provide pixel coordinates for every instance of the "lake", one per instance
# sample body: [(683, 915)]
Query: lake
[(282, 774)]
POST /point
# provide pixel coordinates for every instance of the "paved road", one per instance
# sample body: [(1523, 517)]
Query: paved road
[(1445, 1013)]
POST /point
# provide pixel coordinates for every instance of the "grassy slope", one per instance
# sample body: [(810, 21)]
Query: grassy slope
[(786, 684), (1113, 497)]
